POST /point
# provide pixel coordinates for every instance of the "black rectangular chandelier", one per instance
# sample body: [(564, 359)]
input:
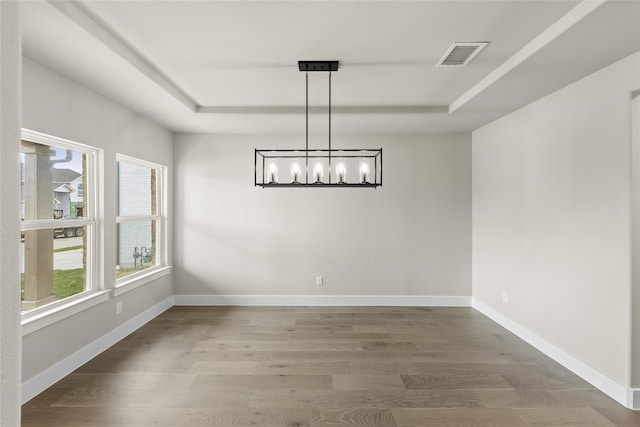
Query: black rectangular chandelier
[(318, 167)]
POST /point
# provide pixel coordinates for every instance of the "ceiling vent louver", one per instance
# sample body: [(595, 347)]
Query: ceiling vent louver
[(460, 54)]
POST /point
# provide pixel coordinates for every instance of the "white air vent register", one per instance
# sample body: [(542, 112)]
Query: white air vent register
[(460, 54)]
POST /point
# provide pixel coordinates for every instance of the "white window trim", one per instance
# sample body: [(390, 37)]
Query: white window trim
[(134, 218), (38, 224), (41, 317), (162, 268), (136, 280)]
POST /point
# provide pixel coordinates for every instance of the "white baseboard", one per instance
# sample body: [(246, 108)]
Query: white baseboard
[(55, 373), (626, 396), (325, 300)]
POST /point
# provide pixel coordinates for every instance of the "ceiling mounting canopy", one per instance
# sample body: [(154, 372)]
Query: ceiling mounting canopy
[(318, 65)]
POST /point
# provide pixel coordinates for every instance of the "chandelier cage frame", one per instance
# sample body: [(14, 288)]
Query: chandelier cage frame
[(305, 167)]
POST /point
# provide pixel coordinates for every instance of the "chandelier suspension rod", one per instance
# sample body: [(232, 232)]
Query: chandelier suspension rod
[(329, 127)]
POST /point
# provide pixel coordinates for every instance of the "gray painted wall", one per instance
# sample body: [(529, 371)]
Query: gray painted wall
[(551, 217), (409, 237), (57, 106)]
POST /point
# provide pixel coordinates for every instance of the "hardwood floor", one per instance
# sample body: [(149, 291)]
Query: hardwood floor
[(323, 366)]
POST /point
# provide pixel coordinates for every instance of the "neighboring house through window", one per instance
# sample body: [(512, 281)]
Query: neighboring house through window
[(63, 190)]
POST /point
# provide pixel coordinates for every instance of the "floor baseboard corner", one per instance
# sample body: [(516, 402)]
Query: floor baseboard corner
[(618, 392), (45, 379)]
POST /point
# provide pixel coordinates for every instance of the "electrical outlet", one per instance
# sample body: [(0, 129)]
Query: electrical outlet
[(505, 298), (319, 280), (119, 307)]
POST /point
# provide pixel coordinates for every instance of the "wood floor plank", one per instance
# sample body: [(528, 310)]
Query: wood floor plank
[(372, 313), (262, 382), (370, 417), (325, 345), (581, 397), (562, 417), (316, 367), (127, 380), (251, 417), (169, 398), (351, 356), (470, 357), (94, 397), (476, 417), (338, 322), (322, 366), (312, 335), (381, 367), (314, 399), (225, 336), (517, 398), (223, 368), (148, 359), (390, 346), (472, 368), (231, 356), (329, 328), (466, 346), (535, 380), (367, 382), (454, 382), (171, 417), (425, 399)]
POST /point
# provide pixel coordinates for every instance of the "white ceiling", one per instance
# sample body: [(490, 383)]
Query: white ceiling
[(231, 66)]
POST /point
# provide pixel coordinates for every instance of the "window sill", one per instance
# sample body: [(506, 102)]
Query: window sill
[(32, 322), (129, 284)]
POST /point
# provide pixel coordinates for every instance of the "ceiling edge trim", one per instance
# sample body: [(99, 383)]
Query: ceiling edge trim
[(419, 109), (556, 29), (82, 17)]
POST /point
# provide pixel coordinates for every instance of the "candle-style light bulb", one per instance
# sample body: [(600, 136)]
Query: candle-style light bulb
[(273, 173), (295, 172), (341, 170), (318, 172), (364, 173)]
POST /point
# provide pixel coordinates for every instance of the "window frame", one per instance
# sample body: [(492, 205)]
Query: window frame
[(95, 292), (161, 267)]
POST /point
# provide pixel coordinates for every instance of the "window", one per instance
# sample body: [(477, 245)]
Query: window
[(141, 220), (58, 247)]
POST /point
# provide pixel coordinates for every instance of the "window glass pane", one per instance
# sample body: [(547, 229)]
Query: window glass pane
[(136, 247), (52, 268), (136, 190), (52, 181)]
